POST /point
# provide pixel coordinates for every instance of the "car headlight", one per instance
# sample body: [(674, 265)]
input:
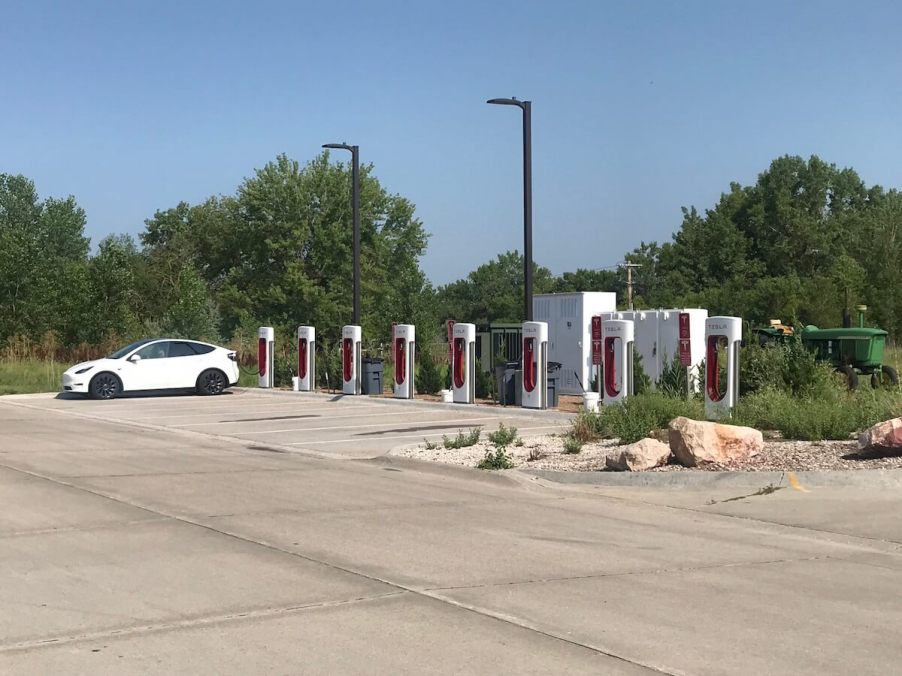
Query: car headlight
[(84, 370)]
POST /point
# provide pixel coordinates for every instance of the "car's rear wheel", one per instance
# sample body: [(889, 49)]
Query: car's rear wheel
[(211, 381), (105, 386)]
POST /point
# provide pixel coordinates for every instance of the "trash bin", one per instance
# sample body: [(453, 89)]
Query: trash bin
[(509, 384), (373, 368), (553, 380)]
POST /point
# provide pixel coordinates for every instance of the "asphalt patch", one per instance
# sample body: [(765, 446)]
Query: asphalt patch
[(278, 417), (424, 428)]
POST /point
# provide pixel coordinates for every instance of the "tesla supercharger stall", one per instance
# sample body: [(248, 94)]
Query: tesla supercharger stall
[(463, 363), (266, 337), (306, 358), (403, 349), (723, 338), (618, 340), (535, 365), (350, 360)]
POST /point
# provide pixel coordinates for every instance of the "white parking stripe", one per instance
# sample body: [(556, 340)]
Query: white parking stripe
[(244, 411), (450, 423), (404, 436)]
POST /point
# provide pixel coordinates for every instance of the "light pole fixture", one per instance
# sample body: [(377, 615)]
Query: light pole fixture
[(355, 207), (526, 107)]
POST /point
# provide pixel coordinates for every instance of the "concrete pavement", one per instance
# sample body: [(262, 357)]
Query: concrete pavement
[(129, 548)]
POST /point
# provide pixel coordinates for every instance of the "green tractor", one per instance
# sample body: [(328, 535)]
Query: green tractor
[(853, 350)]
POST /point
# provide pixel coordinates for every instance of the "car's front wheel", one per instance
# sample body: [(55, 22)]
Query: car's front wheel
[(211, 381), (105, 386)]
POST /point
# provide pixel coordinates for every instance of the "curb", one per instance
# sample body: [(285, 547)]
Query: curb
[(698, 479)]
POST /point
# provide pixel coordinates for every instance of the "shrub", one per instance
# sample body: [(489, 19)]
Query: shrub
[(485, 384), (813, 417), (503, 436), (429, 376), (672, 382), (789, 367), (641, 381), (328, 363), (462, 440), (572, 444), (586, 427), (497, 459), (636, 417)]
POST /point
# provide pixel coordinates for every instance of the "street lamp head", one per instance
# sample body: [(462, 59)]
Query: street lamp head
[(512, 101), (337, 146)]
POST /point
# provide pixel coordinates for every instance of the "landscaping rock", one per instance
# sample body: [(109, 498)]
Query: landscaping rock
[(642, 455), (886, 434), (695, 443)]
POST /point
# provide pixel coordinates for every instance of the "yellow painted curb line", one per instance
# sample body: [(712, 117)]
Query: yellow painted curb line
[(794, 482)]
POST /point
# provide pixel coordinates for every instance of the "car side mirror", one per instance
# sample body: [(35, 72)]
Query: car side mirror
[(135, 358)]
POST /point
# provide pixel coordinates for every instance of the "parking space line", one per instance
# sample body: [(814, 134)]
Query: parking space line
[(243, 411), (451, 423), (420, 435), (205, 403)]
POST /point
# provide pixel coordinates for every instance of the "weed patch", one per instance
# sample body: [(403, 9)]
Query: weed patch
[(503, 436), (572, 445), (462, 440)]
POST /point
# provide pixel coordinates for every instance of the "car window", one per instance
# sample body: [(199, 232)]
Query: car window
[(179, 349), (200, 348), (121, 352), (154, 351)]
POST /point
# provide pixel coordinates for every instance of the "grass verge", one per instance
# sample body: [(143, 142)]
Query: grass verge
[(27, 376)]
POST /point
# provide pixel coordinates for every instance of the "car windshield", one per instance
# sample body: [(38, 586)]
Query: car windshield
[(120, 353)]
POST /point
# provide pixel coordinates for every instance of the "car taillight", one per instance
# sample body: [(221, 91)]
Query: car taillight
[(233, 356)]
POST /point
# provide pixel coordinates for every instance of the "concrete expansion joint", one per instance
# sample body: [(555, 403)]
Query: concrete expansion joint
[(206, 620)]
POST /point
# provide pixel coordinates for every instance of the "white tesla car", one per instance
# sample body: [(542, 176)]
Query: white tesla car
[(155, 364)]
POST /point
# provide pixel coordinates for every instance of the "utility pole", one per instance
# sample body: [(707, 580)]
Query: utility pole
[(629, 281)]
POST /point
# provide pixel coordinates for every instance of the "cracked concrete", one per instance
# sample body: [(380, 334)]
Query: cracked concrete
[(125, 549)]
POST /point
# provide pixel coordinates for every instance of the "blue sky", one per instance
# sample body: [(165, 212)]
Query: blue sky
[(639, 108)]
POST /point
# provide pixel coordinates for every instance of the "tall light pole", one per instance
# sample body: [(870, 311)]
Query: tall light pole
[(526, 107), (355, 207)]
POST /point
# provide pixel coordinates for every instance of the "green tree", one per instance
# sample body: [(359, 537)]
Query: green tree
[(115, 305), (43, 258), (493, 292), (279, 251)]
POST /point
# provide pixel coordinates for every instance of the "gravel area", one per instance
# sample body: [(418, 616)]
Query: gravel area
[(547, 452)]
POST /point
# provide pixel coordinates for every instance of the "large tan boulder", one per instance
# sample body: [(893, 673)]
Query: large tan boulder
[(694, 442), (642, 455), (886, 434)]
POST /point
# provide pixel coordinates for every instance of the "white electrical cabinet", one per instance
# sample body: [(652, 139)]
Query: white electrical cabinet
[(569, 319), (657, 338)]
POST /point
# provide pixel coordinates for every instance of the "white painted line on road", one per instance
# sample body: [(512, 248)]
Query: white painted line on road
[(205, 403), (243, 411), (405, 436), (451, 423)]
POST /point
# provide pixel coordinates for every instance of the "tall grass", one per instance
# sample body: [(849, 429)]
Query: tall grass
[(30, 375)]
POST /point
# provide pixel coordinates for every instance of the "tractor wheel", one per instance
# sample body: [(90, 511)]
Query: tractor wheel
[(851, 376), (887, 377)]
